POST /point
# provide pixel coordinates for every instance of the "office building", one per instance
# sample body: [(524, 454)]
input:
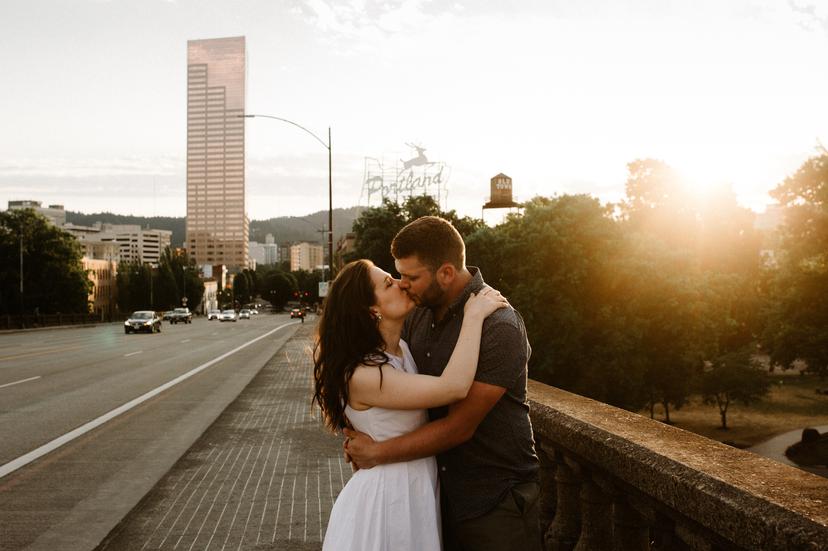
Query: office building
[(121, 242), (217, 225), (55, 213), (102, 297), (306, 256)]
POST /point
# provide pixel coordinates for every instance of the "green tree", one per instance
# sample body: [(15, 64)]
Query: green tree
[(278, 287), (53, 276), (308, 285), (241, 288), (797, 315), (225, 299), (734, 378), (708, 253), (166, 294), (134, 287), (376, 227), (661, 304), (554, 263)]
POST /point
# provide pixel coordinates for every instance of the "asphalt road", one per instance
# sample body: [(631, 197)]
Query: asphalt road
[(54, 382)]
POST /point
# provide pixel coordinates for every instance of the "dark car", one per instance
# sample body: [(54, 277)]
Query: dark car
[(181, 315), (143, 320), (297, 313)]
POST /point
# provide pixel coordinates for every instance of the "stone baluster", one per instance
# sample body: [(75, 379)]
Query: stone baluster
[(630, 530), (596, 518), (664, 536), (566, 527)]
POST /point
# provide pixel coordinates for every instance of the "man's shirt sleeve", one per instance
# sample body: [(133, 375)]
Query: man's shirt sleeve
[(503, 351)]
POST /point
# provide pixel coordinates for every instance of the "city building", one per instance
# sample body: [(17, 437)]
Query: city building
[(209, 301), (101, 250), (121, 242), (306, 256), (217, 224), (102, 296), (271, 250), (256, 252), (140, 245), (55, 213), (266, 253), (345, 245)]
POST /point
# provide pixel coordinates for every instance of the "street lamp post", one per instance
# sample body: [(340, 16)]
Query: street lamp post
[(330, 181)]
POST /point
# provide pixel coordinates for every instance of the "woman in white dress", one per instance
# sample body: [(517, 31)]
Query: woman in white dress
[(365, 377)]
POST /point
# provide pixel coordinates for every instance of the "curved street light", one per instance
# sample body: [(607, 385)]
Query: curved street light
[(330, 182)]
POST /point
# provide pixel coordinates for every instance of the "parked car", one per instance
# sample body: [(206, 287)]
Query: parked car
[(181, 315), (143, 320), (244, 314), (228, 315), (213, 314), (297, 313)]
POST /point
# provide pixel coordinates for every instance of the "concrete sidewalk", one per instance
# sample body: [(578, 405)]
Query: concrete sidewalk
[(263, 476)]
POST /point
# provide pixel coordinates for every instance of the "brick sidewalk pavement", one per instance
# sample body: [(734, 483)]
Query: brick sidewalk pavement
[(263, 476)]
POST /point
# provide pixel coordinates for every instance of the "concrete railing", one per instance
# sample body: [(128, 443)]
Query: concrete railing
[(615, 480)]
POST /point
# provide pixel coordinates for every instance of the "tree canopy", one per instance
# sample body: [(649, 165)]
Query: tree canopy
[(376, 227), (797, 327), (626, 303), (53, 276)]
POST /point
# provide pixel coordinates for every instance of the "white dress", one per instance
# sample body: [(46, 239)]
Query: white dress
[(390, 507)]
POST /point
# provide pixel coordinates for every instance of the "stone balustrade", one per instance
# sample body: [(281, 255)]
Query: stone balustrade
[(615, 480)]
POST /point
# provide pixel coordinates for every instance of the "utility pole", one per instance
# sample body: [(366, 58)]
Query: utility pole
[(150, 277), (330, 210), (22, 310)]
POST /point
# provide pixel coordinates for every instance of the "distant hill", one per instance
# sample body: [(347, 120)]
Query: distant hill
[(283, 228), (175, 225), (304, 228)]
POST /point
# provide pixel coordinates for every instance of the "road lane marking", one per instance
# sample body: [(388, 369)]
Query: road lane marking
[(185, 340), (132, 354), (25, 459), (40, 353), (21, 381)]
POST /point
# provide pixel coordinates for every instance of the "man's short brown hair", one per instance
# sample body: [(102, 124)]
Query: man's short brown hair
[(433, 240)]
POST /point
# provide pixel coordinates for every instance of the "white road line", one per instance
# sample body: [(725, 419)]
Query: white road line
[(185, 340), (132, 354), (24, 460), (21, 381)]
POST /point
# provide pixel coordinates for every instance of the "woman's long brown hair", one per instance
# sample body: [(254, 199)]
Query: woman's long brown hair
[(347, 337)]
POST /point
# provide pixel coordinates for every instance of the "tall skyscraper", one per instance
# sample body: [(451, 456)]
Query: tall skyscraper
[(217, 225)]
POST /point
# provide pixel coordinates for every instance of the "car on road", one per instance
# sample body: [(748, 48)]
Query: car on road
[(228, 315), (244, 314), (181, 315), (143, 320), (297, 313), (167, 315), (213, 314)]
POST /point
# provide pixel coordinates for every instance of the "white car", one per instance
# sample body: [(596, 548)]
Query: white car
[(244, 314), (213, 314), (228, 315)]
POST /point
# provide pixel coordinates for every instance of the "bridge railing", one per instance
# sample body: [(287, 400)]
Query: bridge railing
[(29, 321), (615, 480)]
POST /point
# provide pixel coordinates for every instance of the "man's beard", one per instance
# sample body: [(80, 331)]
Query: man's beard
[(431, 297)]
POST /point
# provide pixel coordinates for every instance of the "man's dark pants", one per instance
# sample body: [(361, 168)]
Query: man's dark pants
[(512, 525)]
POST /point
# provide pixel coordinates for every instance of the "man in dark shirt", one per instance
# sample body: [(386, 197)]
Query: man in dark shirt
[(484, 446)]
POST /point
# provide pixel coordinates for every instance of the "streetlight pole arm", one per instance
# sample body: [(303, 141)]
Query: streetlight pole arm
[(329, 147), (325, 145)]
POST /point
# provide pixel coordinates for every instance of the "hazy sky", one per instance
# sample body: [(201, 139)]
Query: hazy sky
[(558, 95)]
